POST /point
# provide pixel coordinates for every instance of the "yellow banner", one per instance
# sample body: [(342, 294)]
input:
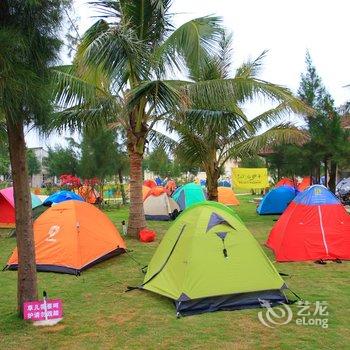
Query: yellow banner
[(249, 178)]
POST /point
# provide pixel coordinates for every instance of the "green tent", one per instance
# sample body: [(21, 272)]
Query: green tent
[(209, 261), (188, 194)]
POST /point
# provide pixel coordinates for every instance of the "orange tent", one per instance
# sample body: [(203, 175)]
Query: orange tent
[(170, 186), (145, 192), (226, 196), (304, 184), (71, 237), (150, 183), (89, 194)]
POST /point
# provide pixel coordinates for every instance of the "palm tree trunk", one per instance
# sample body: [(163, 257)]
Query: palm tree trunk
[(121, 183), (212, 186), (332, 176), (27, 279), (137, 219)]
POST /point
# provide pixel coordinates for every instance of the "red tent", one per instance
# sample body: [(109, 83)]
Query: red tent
[(315, 226), (304, 184), (285, 181)]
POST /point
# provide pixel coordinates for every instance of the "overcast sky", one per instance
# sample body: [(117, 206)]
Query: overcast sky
[(285, 28)]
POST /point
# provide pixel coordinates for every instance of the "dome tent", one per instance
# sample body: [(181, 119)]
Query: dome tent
[(224, 183), (145, 191), (228, 269), (188, 194), (315, 226), (7, 207), (61, 196), (226, 196), (285, 181), (277, 200), (150, 183), (72, 236), (159, 206), (343, 186), (304, 184)]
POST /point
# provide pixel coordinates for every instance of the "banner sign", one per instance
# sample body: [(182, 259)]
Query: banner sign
[(249, 178), (39, 310)]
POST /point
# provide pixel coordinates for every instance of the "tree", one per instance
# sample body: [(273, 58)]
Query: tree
[(288, 160), (102, 157), (34, 166), (60, 161), (214, 129), (252, 162), (29, 45), (329, 141), (158, 162), (99, 151), (4, 159), (121, 75)]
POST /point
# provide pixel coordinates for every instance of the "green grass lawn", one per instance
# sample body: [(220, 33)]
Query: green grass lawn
[(100, 315)]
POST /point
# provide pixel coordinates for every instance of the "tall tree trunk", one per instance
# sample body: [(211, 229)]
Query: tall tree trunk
[(325, 171), (332, 176), (212, 185), (27, 280), (122, 189), (137, 219)]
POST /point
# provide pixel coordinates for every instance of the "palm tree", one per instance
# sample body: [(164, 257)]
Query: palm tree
[(120, 75), (214, 128), (28, 45)]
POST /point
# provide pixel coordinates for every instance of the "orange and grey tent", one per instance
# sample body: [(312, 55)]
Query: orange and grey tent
[(159, 206), (71, 237), (150, 183), (227, 196), (145, 192)]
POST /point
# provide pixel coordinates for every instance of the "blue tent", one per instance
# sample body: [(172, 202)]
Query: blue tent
[(316, 195), (203, 182), (61, 196), (159, 181), (224, 183), (277, 200)]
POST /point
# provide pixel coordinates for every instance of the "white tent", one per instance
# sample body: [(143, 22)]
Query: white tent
[(343, 187)]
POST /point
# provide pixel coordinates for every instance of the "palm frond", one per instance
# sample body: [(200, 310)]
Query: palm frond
[(241, 90), (280, 134), (116, 50), (160, 95), (103, 112), (159, 139), (273, 115), (70, 88), (251, 69), (188, 45)]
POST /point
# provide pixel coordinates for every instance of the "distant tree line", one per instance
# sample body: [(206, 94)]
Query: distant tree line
[(328, 147)]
